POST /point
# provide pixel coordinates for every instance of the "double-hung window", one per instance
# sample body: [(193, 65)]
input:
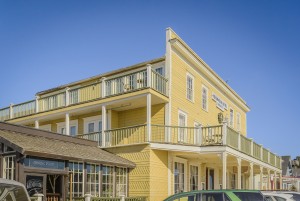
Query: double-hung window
[(61, 127), (182, 123), (93, 179), (107, 181), (204, 98), (194, 177), (9, 167), (190, 87), (121, 181), (76, 172)]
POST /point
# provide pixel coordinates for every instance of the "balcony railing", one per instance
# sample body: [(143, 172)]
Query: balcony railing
[(79, 94), (195, 136)]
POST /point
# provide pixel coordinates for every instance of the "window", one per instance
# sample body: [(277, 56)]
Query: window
[(179, 177), (231, 118), (93, 124), (9, 167), (107, 181), (91, 127), (93, 179), (160, 70), (238, 121), (76, 172), (193, 177), (61, 127), (204, 98), (121, 181), (190, 87), (182, 122)]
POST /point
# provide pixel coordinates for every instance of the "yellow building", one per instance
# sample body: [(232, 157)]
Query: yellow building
[(174, 117)]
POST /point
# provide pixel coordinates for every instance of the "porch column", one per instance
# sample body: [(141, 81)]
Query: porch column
[(239, 173), (67, 96), (11, 112), (103, 125), (280, 181), (149, 117), (37, 104), (269, 180), (224, 130), (103, 87), (67, 123), (224, 168), (251, 186), (261, 178), (36, 124), (149, 75), (275, 180)]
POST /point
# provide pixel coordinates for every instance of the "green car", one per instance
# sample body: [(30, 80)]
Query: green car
[(218, 195)]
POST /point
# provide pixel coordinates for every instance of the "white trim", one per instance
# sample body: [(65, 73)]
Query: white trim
[(189, 75), (184, 162), (180, 137), (46, 127), (204, 87), (202, 66), (61, 125), (231, 121), (93, 119)]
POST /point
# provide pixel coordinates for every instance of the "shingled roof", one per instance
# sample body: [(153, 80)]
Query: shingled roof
[(35, 142)]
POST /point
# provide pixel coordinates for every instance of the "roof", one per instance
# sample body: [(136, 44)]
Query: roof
[(35, 142)]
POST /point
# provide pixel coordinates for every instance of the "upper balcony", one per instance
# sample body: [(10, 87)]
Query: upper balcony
[(219, 135), (104, 88)]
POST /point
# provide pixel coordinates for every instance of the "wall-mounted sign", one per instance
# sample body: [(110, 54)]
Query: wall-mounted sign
[(220, 103), (44, 163)]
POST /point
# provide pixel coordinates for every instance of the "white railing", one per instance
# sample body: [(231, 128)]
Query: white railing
[(159, 82), (85, 93), (4, 113), (52, 102), (24, 109)]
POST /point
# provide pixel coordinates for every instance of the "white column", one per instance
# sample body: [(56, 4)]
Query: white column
[(251, 183), (269, 181), (67, 96), (103, 125), (37, 104), (224, 168), (149, 75), (239, 173), (261, 152), (261, 178), (251, 150), (280, 181), (224, 134), (149, 117), (67, 124), (199, 176), (36, 124), (200, 140), (103, 87), (239, 141), (167, 123), (275, 181), (11, 112)]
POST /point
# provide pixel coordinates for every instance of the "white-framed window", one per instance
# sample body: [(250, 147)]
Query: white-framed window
[(180, 173), (182, 123), (231, 118), (46, 127), (76, 172), (92, 182), (160, 70), (9, 167), (238, 121), (61, 127), (121, 181), (93, 124), (107, 181), (194, 177), (189, 87), (204, 97)]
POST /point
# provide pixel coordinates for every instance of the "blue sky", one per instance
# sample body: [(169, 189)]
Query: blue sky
[(254, 45)]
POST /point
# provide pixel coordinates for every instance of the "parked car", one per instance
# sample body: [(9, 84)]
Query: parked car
[(218, 195), (296, 195), (12, 191), (277, 196)]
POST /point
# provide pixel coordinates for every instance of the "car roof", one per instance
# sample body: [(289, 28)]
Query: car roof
[(11, 182), (211, 191)]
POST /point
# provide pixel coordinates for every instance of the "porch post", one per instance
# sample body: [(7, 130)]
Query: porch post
[(268, 181), (103, 125), (275, 181), (103, 87), (37, 104), (67, 96), (149, 75), (239, 173), (261, 178), (149, 117), (11, 112), (67, 123), (280, 181), (224, 169), (36, 124), (224, 129), (251, 177)]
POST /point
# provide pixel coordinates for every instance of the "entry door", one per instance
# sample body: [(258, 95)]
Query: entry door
[(35, 183), (210, 179)]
